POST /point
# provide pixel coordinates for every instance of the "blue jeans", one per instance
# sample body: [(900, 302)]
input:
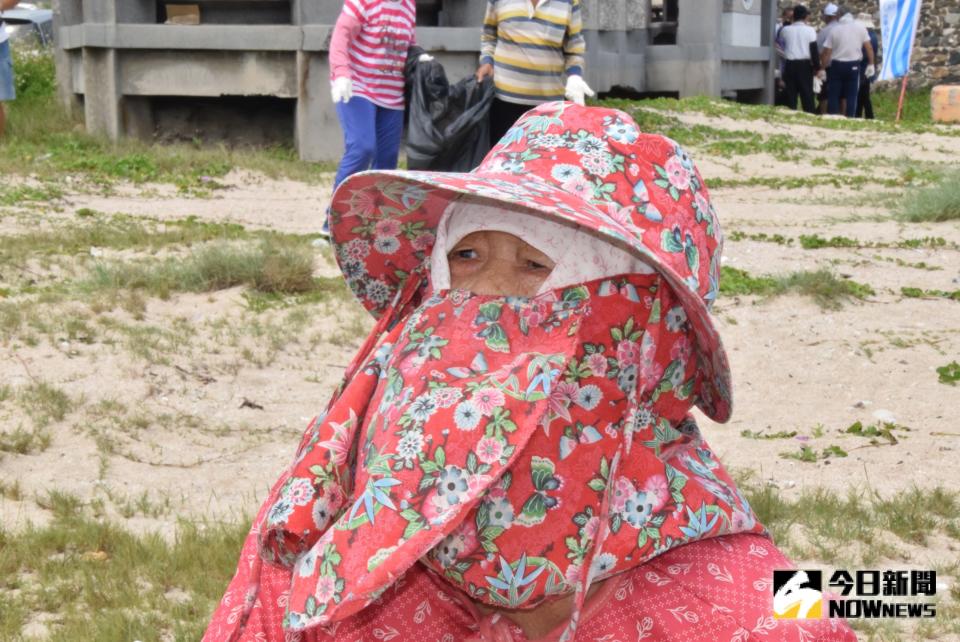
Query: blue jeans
[(7, 89), (843, 82), (371, 137)]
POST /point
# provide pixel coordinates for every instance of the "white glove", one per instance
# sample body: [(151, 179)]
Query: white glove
[(425, 58), (341, 89), (578, 89), (870, 71), (817, 85)]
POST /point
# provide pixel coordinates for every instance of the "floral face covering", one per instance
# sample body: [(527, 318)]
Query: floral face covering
[(520, 448)]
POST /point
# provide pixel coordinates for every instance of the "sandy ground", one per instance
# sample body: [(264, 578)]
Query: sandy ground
[(194, 449)]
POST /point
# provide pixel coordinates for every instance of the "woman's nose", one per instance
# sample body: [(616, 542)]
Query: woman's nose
[(495, 279)]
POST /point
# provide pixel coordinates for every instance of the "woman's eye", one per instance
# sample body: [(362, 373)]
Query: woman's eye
[(466, 254), (533, 265)]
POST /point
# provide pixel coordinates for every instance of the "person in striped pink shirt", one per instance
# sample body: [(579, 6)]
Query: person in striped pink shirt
[(368, 53)]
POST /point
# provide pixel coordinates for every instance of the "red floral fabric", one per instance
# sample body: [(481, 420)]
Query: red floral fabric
[(519, 447), (716, 590)]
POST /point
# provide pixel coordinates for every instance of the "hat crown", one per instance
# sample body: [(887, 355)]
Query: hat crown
[(641, 188)]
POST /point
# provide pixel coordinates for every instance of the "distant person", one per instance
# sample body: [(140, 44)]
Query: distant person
[(7, 89), (829, 14), (368, 55), (864, 103), (843, 51), (800, 60), (529, 46), (785, 19)]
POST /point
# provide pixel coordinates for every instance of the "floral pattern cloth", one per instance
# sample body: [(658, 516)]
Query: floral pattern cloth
[(584, 165), (519, 447)]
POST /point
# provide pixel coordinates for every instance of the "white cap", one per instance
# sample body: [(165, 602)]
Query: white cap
[(831, 9)]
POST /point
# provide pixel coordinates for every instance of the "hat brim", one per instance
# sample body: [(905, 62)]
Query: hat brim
[(415, 201)]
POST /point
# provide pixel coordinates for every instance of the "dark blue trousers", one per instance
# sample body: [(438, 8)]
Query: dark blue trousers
[(843, 83)]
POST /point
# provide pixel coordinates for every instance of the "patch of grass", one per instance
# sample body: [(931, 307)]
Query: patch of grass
[(36, 75), (756, 434), (826, 288), (761, 237), (43, 139), (949, 374), (916, 117), (808, 454), (875, 432), (11, 490), (816, 242), (834, 521), (919, 293), (737, 282), (919, 265), (44, 403), (13, 195), (118, 232), (281, 266), (25, 442), (102, 582)]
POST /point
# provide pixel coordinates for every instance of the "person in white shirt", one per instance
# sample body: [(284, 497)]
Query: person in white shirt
[(843, 52), (800, 60), (829, 15), (7, 89)]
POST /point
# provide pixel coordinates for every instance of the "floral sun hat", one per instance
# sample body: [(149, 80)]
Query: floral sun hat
[(584, 165)]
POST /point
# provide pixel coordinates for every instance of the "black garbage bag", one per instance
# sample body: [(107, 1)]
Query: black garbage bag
[(448, 125)]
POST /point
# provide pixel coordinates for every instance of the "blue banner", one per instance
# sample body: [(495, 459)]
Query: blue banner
[(898, 27)]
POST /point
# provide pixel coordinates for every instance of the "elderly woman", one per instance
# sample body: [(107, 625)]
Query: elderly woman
[(534, 50), (511, 455)]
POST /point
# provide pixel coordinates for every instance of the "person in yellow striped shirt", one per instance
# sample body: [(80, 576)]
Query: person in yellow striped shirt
[(534, 51)]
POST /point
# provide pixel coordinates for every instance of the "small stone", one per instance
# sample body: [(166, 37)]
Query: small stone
[(861, 404)]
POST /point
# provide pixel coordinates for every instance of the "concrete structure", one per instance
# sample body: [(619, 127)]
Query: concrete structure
[(260, 66)]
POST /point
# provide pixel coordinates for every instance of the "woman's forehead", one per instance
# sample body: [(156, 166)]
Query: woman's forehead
[(496, 237)]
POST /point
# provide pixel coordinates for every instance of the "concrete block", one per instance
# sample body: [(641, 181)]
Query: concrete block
[(136, 11), (67, 12), (208, 73), (638, 14), (699, 21), (174, 37), (317, 130), (101, 93), (462, 13), (309, 12)]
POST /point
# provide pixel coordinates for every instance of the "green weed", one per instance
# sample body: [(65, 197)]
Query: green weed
[(816, 242), (117, 232), (104, 583), (756, 434), (25, 442), (808, 454), (16, 195), (919, 293), (762, 237), (43, 139), (275, 266), (875, 432), (823, 286), (949, 374), (44, 403)]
